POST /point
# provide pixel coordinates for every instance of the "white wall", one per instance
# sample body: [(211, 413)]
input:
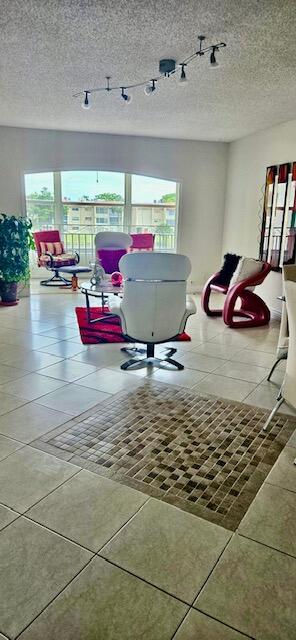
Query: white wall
[(248, 159), (200, 167)]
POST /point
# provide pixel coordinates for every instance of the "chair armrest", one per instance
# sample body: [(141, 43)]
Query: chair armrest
[(77, 258), (51, 259)]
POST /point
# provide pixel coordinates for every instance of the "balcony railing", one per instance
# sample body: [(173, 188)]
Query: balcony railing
[(82, 239)]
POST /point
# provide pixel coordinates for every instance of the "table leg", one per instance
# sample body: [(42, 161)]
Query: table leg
[(87, 307), (74, 282)]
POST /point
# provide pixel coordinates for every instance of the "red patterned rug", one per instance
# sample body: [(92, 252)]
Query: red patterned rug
[(105, 331)]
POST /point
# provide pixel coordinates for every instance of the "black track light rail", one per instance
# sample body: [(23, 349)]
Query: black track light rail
[(212, 49)]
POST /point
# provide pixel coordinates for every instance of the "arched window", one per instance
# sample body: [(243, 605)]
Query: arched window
[(81, 203)]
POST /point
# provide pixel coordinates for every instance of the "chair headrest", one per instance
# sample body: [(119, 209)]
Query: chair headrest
[(155, 266), (112, 240)]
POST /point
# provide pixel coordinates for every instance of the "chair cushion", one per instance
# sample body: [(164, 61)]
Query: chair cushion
[(246, 268), (63, 260)]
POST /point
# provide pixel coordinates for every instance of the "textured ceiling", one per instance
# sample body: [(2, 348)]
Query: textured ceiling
[(50, 49)]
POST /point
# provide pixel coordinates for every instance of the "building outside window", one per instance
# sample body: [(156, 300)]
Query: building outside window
[(82, 203)]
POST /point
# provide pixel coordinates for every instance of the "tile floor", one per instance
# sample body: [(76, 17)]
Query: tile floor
[(84, 557)]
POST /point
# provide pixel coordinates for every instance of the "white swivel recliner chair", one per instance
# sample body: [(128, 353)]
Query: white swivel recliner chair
[(154, 307)]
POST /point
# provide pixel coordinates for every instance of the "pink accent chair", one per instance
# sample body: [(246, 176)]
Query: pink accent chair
[(253, 308), (53, 262), (142, 241)]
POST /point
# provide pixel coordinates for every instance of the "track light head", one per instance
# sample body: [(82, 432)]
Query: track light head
[(125, 96), (150, 88), (86, 102), (213, 60), (183, 77)]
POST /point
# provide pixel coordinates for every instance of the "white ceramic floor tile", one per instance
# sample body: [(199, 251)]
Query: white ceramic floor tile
[(72, 399), (109, 381), (252, 589), (242, 371), (186, 378), (216, 350), (256, 357), (28, 475), (8, 446), (271, 519), (64, 349), (30, 422), (224, 387), (200, 362), (90, 522), (36, 565), (9, 402), (265, 396), (29, 360), (6, 517), (100, 357), (9, 373), (31, 386), (68, 370)]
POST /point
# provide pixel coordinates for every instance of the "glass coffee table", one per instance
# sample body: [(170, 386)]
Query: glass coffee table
[(101, 291)]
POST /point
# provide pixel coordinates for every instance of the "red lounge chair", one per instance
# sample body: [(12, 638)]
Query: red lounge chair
[(52, 255), (253, 308)]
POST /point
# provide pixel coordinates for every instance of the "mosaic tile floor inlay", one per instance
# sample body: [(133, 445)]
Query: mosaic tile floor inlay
[(204, 454)]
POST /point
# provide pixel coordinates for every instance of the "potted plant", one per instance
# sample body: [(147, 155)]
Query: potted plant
[(15, 241)]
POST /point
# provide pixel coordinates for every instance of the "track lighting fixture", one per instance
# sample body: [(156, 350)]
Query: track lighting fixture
[(125, 96), (183, 77), (150, 88), (86, 102), (213, 60), (167, 68)]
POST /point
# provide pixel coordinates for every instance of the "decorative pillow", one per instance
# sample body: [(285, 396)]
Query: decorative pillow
[(55, 248), (246, 268), (58, 248), (230, 263)]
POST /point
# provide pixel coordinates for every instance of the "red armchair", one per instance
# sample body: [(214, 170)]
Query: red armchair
[(52, 255), (253, 309)]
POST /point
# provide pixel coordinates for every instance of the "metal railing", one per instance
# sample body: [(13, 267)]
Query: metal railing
[(82, 239)]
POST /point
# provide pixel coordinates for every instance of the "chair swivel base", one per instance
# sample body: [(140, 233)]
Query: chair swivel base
[(55, 281), (149, 358), (135, 351)]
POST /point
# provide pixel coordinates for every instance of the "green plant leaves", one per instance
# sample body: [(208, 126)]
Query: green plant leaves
[(15, 242)]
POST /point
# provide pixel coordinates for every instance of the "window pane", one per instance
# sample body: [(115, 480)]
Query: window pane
[(92, 186), (92, 215), (146, 190), (159, 220), (39, 199)]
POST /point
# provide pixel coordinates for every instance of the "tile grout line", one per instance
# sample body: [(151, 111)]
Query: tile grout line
[(264, 544), (214, 567), (151, 584), (62, 535), (54, 598), (208, 615)]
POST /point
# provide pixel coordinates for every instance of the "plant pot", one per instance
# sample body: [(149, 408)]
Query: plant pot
[(8, 292)]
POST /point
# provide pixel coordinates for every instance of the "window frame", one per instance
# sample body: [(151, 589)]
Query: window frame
[(126, 206)]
